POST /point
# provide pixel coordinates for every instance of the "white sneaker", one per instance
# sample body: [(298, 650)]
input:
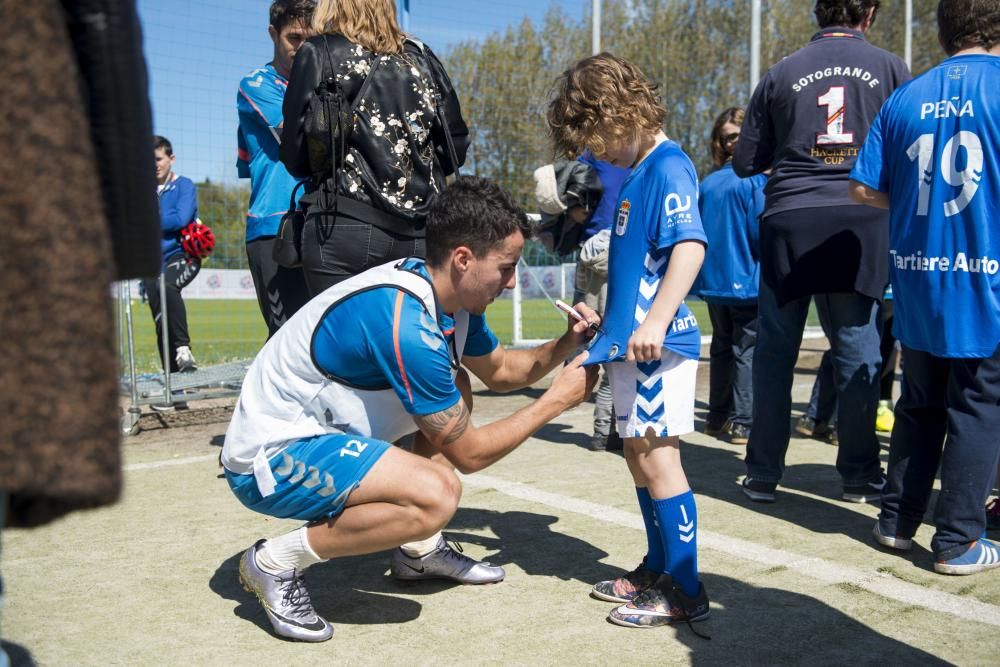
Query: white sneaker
[(184, 359)]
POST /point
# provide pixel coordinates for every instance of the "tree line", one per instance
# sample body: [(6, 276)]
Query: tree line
[(698, 51)]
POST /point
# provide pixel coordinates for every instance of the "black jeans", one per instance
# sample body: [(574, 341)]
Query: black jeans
[(949, 413), (333, 251), (730, 378), (178, 272), (280, 291), (889, 351)]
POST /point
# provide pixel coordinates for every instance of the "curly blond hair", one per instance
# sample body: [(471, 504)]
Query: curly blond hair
[(601, 102)]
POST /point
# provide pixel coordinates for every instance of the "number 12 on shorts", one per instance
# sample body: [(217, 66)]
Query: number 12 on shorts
[(963, 144), (357, 445)]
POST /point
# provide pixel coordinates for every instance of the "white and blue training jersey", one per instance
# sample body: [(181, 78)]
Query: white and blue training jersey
[(361, 358), (935, 149)]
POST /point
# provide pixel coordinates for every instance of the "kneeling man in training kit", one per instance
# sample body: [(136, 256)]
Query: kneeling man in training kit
[(367, 362)]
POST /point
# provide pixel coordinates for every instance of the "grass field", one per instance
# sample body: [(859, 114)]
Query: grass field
[(227, 330)]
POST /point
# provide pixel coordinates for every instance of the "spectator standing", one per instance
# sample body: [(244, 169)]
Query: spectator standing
[(591, 282), (819, 421), (178, 207), (933, 159), (577, 200), (280, 290), (885, 417), (730, 207), (806, 120), (368, 196)]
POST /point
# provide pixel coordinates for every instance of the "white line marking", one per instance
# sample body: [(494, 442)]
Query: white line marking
[(153, 465), (815, 568)]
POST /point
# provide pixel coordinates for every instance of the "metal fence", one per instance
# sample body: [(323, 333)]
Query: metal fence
[(502, 57)]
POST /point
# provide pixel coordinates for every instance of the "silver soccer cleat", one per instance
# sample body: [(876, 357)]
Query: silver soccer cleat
[(444, 563), (285, 600)]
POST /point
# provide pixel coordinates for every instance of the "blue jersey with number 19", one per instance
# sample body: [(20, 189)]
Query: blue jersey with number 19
[(935, 148)]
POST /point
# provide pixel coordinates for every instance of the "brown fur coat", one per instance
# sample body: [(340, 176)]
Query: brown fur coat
[(59, 431)]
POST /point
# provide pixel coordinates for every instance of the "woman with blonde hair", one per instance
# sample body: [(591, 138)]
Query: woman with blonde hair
[(372, 176)]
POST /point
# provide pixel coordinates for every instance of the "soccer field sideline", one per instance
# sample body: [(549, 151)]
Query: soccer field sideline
[(233, 329)]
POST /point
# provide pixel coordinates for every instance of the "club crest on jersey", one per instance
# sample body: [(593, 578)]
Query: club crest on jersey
[(622, 222)]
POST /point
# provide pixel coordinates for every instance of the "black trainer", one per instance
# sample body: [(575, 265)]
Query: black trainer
[(614, 442), (715, 429), (757, 491), (739, 434), (863, 493)]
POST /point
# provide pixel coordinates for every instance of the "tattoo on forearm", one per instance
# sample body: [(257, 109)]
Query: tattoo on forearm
[(447, 426)]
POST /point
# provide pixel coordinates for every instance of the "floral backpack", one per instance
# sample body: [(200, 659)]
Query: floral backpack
[(376, 129)]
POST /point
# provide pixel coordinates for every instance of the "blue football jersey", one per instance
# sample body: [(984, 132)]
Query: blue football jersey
[(935, 149), (657, 209), (258, 139), (391, 341)]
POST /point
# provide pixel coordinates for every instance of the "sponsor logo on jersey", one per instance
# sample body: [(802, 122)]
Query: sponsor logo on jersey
[(673, 204), (848, 71), (676, 209), (622, 223), (960, 262), (957, 71)]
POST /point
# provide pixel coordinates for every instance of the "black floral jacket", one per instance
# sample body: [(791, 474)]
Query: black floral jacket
[(397, 156)]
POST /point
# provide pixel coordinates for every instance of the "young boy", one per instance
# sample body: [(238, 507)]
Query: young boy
[(650, 339)]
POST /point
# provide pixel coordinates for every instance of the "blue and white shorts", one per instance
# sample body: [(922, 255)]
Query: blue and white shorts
[(311, 478), (654, 394)]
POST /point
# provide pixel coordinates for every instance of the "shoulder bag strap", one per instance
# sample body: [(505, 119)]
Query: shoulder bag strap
[(439, 110)]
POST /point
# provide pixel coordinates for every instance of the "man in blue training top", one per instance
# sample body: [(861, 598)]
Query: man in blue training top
[(178, 198), (371, 360), (932, 158), (280, 291)]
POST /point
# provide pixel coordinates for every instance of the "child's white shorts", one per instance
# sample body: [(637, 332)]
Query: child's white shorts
[(654, 394)]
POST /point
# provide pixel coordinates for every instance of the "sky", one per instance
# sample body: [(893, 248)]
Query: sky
[(198, 50)]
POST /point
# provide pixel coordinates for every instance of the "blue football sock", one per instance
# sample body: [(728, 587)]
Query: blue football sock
[(677, 518), (654, 543)]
